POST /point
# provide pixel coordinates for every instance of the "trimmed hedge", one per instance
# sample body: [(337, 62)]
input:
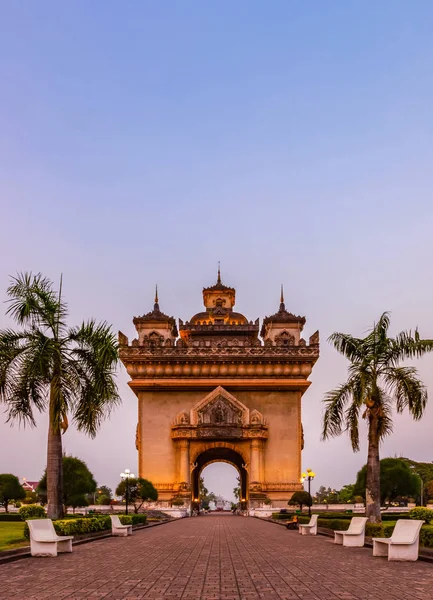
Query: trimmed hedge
[(421, 513), (343, 516), (89, 525), (373, 530), (32, 511), (10, 517)]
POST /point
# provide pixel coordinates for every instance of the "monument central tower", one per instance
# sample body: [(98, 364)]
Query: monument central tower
[(216, 391)]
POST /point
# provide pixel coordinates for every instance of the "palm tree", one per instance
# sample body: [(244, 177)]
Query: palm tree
[(48, 366), (376, 384)]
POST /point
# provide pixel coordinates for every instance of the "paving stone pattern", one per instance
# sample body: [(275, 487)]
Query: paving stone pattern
[(216, 558)]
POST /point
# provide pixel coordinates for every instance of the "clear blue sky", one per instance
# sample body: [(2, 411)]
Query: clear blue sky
[(142, 142)]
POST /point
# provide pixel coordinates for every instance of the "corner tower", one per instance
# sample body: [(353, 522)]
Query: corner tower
[(219, 392)]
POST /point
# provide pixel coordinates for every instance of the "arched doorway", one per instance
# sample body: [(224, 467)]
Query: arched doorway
[(220, 487), (219, 454)]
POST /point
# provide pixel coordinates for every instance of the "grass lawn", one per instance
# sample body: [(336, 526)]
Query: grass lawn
[(12, 535)]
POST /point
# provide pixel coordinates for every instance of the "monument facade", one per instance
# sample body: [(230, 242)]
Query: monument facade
[(220, 388)]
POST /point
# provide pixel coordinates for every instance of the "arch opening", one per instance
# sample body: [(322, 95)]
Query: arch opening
[(214, 455), (220, 479)]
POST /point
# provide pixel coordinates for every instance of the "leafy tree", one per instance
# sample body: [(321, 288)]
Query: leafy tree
[(376, 383), (347, 493), (46, 366), (321, 494), (206, 497), (139, 491), (428, 490), (301, 499), (10, 489), (237, 489), (31, 497), (104, 495), (202, 488), (423, 469), (397, 480), (78, 481)]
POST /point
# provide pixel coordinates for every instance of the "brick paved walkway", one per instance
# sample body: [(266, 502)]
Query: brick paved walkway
[(216, 558)]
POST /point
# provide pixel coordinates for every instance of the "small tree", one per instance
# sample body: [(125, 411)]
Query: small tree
[(78, 481), (139, 491), (10, 489), (301, 498)]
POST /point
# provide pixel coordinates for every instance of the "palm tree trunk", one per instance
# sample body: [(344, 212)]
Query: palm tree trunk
[(372, 492), (54, 465)]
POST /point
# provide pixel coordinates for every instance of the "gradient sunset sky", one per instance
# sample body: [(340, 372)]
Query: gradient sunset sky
[(141, 142)]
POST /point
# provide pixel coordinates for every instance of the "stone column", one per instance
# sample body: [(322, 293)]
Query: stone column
[(256, 447), (261, 461), (184, 470)]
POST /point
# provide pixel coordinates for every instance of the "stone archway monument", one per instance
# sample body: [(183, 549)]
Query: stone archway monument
[(216, 391)]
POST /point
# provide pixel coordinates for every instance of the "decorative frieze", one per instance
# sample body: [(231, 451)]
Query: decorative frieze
[(158, 369)]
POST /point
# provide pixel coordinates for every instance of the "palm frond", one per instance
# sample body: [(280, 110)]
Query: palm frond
[(334, 416), (383, 409), (33, 301), (93, 358), (347, 345), (408, 390), (405, 345)]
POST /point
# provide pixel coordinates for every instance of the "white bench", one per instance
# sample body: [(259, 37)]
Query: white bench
[(310, 528), (404, 542), (44, 540), (118, 529), (355, 535)]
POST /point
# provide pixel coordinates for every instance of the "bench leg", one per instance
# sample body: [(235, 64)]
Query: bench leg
[(338, 538), (403, 552), (119, 532), (354, 541), (65, 546), (380, 549), (43, 548)]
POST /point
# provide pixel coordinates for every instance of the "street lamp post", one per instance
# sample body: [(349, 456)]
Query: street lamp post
[(309, 476), (126, 476)]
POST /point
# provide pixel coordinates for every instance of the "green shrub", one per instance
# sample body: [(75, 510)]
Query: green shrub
[(375, 530), (78, 526), (133, 519), (10, 517), (388, 528), (371, 529), (32, 511), (426, 537), (421, 513), (90, 524)]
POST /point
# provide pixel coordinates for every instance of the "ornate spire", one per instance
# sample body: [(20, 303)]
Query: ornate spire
[(219, 273), (282, 305), (156, 305)]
